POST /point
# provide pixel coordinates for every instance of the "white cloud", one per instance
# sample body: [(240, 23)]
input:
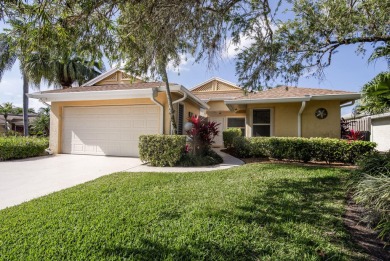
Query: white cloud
[(232, 49), (186, 60), (11, 90)]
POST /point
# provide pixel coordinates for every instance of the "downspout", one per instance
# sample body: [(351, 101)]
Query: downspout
[(153, 98), (181, 99), (300, 118), (348, 104)]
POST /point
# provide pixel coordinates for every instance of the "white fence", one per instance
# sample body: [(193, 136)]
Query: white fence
[(362, 124)]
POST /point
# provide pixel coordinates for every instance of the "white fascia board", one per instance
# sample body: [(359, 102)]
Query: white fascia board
[(182, 89), (104, 75), (93, 95), (379, 116), (219, 99), (100, 77), (215, 79), (269, 100), (349, 96)]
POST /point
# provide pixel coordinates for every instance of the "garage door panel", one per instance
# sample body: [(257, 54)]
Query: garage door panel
[(107, 130)]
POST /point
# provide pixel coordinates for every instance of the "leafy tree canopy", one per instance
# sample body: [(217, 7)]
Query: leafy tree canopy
[(289, 38)]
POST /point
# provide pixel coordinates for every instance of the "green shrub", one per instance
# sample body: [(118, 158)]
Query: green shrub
[(193, 160), (22, 147), (259, 147), (329, 150), (11, 133), (291, 148), (302, 149), (228, 136), (242, 147), (161, 150), (374, 164)]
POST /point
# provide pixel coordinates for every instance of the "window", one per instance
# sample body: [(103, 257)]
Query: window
[(180, 119), (261, 122), (237, 123)]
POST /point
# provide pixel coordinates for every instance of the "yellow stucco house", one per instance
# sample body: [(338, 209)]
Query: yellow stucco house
[(282, 111), (106, 115)]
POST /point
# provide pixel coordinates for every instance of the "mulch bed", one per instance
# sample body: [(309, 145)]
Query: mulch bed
[(362, 235), (306, 164)]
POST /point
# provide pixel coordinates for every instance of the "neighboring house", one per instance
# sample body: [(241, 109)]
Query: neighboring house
[(378, 125), (380, 131), (15, 122), (282, 111), (2, 125), (106, 115)]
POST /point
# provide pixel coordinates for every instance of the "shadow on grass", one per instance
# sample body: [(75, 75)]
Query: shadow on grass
[(197, 251), (283, 208)]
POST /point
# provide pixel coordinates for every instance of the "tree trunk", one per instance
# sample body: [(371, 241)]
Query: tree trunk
[(6, 123), (163, 71), (25, 105)]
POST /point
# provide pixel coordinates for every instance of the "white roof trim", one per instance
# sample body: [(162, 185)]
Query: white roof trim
[(269, 100), (215, 79), (104, 75), (93, 95), (347, 96), (379, 116), (181, 88), (352, 96)]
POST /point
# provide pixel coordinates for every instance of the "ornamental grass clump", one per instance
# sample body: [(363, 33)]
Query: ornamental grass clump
[(372, 191)]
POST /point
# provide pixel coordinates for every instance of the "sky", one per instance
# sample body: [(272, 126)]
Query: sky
[(348, 72)]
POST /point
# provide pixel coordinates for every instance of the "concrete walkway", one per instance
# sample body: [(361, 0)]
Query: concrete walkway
[(228, 162), (23, 180)]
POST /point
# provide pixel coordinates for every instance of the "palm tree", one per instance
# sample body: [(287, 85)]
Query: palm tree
[(61, 72), (35, 67), (8, 57), (6, 109), (376, 94)]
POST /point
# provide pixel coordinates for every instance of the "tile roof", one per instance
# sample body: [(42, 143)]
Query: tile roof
[(109, 87), (289, 92)]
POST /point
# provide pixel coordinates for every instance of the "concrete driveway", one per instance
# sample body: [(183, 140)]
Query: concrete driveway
[(23, 180)]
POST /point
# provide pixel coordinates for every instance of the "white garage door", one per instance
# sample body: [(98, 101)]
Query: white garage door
[(107, 130)]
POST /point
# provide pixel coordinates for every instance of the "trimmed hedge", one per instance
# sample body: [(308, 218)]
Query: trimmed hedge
[(161, 150), (302, 149), (22, 147), (228, 136)]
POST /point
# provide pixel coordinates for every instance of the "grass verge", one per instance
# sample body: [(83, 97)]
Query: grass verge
[(252, 212)]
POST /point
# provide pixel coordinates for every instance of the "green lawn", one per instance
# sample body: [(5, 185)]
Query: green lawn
[(253, 212)]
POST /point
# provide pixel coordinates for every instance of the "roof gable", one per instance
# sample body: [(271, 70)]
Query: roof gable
[(215, 85), (113, 76)]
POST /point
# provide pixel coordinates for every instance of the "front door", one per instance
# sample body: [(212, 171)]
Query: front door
[(218, 141)]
